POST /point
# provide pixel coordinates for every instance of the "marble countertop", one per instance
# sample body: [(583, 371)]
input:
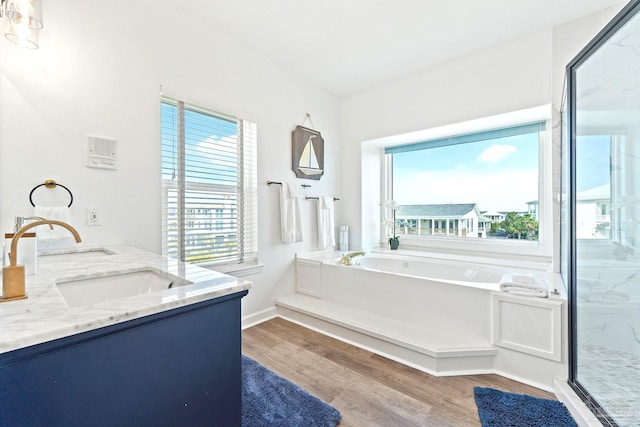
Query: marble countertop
[(45, 315)]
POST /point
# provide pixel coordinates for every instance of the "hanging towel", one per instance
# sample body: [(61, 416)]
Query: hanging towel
[(58, 213), (326, 235), (523, 285), (290, 217)]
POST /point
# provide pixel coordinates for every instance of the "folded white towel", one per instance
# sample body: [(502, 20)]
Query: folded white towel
[(523, 278), (326, 233), (533, 289), (58, 213), (290, 216)]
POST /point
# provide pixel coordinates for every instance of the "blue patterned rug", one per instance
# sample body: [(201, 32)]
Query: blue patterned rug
[(270, 400), (501, 409)]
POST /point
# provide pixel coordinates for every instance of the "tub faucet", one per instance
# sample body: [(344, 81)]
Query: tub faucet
[(13, 275), (346, 259)]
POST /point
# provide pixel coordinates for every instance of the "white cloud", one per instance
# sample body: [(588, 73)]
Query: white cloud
[(496, 152)]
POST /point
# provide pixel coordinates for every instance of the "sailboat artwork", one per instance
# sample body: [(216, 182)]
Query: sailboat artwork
[(308, 153), (308, 164)]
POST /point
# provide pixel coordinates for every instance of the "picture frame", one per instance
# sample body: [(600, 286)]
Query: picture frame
[(307, 153)]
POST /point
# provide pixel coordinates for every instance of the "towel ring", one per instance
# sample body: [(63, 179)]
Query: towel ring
[(50, 183)]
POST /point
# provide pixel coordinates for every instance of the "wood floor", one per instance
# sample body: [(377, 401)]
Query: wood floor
[(367, 389)]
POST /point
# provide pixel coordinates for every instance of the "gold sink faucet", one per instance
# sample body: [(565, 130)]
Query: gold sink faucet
[(346, 259), (13, 275)]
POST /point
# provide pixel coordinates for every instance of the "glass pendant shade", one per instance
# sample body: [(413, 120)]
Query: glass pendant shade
[(25, 12), (22, 35)]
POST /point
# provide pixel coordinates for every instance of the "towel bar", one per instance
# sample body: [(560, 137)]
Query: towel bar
[(316, 198), (279, 183)]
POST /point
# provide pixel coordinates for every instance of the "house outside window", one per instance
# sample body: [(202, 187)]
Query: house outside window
[(449, 182), (600, 201), (209, 185)]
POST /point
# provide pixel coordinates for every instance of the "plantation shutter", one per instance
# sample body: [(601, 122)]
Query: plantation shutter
[(209, 185)]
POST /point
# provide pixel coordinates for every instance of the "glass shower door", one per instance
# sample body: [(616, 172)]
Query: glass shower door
[(604, 132)]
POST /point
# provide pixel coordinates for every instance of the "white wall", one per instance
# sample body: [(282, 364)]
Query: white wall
[(99, 71), (510, 77)]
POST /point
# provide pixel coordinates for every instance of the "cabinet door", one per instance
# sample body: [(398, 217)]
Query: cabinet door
[(180, 367)]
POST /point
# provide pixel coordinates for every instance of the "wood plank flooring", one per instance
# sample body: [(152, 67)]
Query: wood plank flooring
[(369, 390)]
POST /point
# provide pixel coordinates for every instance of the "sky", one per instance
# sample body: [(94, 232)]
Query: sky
[(499, 174), (593, 156), (211, 152)]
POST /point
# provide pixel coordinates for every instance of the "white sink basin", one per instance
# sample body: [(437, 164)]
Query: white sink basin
[(75, 254), (85, 291)]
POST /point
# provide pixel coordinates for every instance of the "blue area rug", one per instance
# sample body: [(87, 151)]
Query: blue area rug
[(498, 408), (270, 400)]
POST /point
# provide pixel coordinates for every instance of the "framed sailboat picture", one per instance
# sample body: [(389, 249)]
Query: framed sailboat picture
[(308, 153)]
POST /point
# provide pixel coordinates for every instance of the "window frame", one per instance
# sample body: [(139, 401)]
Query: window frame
[(540, 250), (245, 260)]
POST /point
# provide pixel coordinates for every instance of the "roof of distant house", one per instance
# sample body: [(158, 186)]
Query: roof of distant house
[(601, 192), (493, 213), (446, 210)]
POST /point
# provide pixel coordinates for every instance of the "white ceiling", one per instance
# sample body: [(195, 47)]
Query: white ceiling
[(347, 46)]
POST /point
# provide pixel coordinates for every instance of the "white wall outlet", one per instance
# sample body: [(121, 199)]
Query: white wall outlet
[(94, 216)]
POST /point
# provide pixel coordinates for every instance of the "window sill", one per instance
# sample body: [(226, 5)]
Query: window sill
[(236, 270), (494, 259), (476, 246)]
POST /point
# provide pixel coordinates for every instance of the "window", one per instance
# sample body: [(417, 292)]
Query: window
[(209, 185), (453, 182)]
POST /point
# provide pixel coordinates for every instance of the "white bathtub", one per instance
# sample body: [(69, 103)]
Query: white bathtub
[(456, 273), (443, 317), (451, 300)]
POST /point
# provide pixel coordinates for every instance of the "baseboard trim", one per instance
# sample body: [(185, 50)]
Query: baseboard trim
[(524, 381), (578, 410), (259, 317)]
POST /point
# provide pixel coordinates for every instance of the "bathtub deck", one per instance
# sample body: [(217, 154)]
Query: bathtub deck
[(427, 349)]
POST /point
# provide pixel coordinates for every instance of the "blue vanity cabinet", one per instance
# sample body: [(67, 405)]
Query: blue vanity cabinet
[(180, 367)]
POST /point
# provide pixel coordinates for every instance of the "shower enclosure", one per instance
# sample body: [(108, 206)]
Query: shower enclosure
[(602, 222)]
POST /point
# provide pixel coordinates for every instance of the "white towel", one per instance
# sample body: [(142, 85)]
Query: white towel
[(523, 285), (290, 217), (58, 213), (523, 278), (326, 235)]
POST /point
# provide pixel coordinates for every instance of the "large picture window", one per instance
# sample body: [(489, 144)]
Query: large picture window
[(209, 186), (482, 185)]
